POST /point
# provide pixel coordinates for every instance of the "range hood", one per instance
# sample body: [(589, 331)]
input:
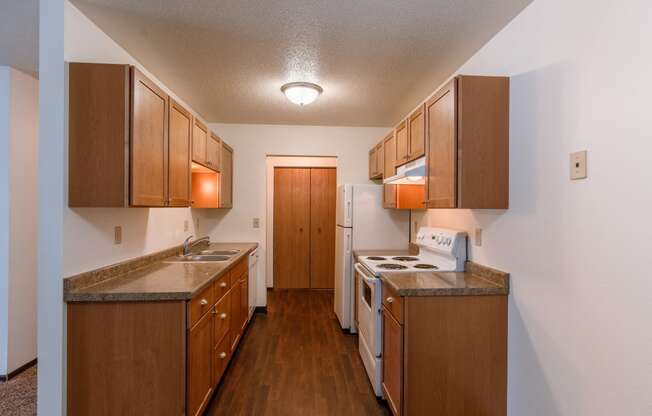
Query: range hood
[(412, 173)]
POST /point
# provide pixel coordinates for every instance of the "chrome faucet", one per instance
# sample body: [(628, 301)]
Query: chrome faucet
[(187, 244)]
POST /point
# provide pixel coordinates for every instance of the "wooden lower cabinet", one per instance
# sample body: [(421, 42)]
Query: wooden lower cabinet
[(392, 361), (445, 355), (200, 380), (154, 358)]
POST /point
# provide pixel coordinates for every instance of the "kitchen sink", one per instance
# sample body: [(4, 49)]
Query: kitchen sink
[(220, 252), (199, 258)]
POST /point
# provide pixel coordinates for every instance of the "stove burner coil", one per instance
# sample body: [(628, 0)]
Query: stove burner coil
[(391, 266), (425, 266), (405, 258), (376, 258)]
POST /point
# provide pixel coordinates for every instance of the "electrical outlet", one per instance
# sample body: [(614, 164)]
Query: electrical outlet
[(185, 225), (117, 235), (578, 165), (478, 237), (256, 222)]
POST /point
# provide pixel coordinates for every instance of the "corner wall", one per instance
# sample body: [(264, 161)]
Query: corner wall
[(581, 301)]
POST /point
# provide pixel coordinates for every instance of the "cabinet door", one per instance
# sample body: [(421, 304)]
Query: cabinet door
[(416, 134), (213, 150), (389, 170), (380, 159), (226, 177), (149, 142), (180, 139), (323, 191), (372, 163), (222, 319), (292, 228), (199, 141), (221, 356), (244, 302), (402, 145), (441, 181), (235, 327), (392, 362), (200, 349)]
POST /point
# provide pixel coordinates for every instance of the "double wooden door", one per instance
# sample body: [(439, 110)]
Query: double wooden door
[(304, 228)]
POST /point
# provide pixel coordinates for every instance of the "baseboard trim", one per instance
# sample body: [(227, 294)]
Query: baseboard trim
[(261, 310), (7, 377)]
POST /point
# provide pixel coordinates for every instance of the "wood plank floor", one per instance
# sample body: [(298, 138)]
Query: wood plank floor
[(296, 361)]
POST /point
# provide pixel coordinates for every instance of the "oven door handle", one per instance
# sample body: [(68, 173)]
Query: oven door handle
[(363, 272)]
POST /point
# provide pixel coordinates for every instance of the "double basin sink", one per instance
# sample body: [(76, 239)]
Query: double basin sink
[(205, 256)]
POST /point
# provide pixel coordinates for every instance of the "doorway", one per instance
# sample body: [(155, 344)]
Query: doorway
[(304, 227)]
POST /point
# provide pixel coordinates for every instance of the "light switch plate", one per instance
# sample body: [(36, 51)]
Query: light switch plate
[(478, 237), (256, 222), (117, 235), (578, 165)]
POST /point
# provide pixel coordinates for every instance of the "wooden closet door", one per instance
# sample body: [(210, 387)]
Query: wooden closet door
[(323, 189), (149, 142), (179, 170), (441, 189), (291, 228)]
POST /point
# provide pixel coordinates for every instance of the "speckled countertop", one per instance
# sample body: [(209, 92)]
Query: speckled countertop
[(476, 280), (150, 279)]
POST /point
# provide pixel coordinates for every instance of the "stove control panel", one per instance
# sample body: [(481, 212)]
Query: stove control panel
[(451, 242)]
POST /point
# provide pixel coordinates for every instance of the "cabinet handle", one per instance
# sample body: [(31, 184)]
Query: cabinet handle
[(223, 284), (223, 316), (203, 302), (390, 299), (222, 355)]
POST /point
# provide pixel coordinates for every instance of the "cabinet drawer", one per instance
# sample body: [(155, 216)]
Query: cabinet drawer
[(393, 303), (222, 286), (200, 304), (238, 270), (222, 318), (221, 357)]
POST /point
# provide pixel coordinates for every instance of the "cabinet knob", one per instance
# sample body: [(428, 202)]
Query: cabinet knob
[(223, 284), (222, 355), (389, 299), (203, 302), (223, 316)]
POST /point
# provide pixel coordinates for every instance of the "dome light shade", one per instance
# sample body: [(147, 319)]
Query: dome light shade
[(301, 93)]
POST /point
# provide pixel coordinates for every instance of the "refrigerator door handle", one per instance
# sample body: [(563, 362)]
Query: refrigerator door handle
[(348, 244), (348, 211)]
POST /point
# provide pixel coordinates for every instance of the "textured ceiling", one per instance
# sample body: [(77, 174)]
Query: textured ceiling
[(19, 34)]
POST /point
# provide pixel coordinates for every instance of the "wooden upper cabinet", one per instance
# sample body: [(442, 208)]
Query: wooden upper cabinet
[(417, 133), (180, 139), (98, 134), (467, 130), (199, 142), (402, 144), (380, 160), (441, 188), (226, 177), (149, 142), (213, 151), (372, 163)]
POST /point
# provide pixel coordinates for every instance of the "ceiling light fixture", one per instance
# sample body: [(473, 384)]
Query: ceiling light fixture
[(301, 93)]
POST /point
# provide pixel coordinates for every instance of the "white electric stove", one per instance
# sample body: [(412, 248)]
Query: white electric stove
[(440, 249)]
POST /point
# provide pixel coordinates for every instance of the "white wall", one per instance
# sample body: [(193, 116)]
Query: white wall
[(252, 144), (18, 213), (51, 203), (5, 202), (581, 302), (89, 231)]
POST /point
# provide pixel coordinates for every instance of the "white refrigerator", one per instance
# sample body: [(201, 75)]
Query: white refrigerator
[(362, 224)]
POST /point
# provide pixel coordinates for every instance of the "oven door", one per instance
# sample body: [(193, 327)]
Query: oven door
[(369, 304)]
